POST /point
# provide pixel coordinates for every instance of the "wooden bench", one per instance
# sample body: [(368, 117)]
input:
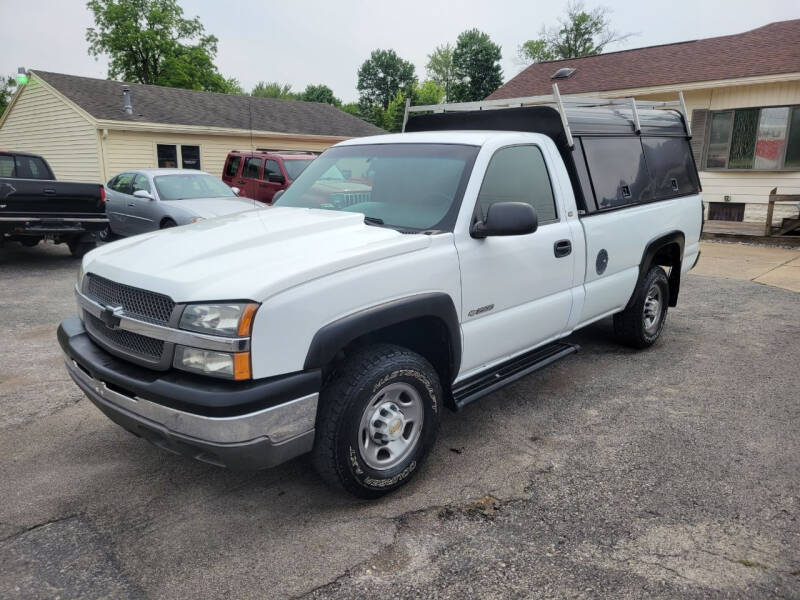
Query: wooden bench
[(788, 225)]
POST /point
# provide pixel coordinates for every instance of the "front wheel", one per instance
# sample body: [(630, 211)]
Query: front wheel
[(378, 418), (166, 223), (78, 248), (641, 323)]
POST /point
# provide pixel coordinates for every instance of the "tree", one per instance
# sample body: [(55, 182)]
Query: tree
[(579, 33), (381, 76), (476, 67), (440, 68), (273, 89), (320, 93), (149, 41), (428, 92), (6, 92)]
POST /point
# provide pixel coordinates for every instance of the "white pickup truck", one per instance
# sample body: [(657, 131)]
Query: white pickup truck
[(343, 323)]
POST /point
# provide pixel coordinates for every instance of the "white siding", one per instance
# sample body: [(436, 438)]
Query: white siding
[(137, 150), (42, 122)]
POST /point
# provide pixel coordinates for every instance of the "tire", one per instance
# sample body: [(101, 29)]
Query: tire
[(640, 325), (166, 223), (380, 387), (78, 249), (107, 235)]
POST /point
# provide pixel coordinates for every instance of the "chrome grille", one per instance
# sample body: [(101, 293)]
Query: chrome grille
[(346, 199), (128, 342), (136, 303)]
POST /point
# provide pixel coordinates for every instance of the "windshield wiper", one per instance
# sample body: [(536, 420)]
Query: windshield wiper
[(373, 220)]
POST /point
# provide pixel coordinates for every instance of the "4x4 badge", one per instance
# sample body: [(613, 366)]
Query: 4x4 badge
[(110, 316)]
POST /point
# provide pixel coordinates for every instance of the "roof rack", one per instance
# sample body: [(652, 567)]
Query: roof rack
[(279, 151), (561, 102)]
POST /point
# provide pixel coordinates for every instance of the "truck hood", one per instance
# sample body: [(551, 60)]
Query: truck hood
[(249, 255), (214, 207)]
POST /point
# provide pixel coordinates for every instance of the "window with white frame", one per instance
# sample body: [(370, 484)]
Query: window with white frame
[(758, 139)]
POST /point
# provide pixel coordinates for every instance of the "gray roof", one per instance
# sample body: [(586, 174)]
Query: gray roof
[(102, 99)]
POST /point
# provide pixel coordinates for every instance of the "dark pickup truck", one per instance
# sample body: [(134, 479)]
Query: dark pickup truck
[(34, 206)]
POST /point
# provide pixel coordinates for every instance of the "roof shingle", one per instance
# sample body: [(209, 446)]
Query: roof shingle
[(102, 99), (768, 50)]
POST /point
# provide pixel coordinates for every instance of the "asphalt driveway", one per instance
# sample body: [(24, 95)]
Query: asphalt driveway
[(669, 473)]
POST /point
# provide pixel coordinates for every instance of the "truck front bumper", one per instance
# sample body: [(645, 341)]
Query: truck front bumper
[(253, 426)]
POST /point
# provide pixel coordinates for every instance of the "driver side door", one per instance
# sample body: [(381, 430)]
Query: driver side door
[(516, 290)]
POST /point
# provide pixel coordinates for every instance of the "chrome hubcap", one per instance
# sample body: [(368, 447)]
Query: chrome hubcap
[(652, 309), (390, 426)]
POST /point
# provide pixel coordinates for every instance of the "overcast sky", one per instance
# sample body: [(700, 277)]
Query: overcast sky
[(320, 41)]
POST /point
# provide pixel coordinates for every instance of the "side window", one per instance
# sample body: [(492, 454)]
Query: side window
[(190, 157), (233, 166), (519, 174), (6, 165), (271, 168), (252, 166), (618, 171), (140, 182), (167, 156), (124, 183), (669, 161)]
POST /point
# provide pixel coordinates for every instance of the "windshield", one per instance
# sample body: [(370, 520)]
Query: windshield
[(295, 166), (187, 186), (406, 186)]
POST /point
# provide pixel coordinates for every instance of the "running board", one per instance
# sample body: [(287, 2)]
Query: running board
[(487, 382)]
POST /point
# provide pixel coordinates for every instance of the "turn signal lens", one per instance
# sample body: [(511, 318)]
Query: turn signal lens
[(241, 365), (246, 320)]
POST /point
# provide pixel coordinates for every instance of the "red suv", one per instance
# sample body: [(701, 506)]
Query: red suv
[(262, 173)]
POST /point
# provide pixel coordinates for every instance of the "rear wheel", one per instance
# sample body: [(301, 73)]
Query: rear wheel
[(167, 223), (377, 420), (641, 323)]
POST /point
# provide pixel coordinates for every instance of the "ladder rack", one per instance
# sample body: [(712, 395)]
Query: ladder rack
[(561, 102)]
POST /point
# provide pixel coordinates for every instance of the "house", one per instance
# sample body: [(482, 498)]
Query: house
[(81, 126), (742, 93)]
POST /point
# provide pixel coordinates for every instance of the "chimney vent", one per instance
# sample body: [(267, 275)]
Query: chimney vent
[(126, 100)]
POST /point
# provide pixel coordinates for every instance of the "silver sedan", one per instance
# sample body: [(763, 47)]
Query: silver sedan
[(151, 199)]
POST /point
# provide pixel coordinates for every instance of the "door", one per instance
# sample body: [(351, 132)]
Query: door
[(516, 290), (142, 211), (117, 209), (274, 180), (251, 173)]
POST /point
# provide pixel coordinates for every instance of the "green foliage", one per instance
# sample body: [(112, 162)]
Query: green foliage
[(6, 92), (579, 33), (320, 93), (380, 77), (391, 119), (149, 41), (352, 108), (476, 67), (440, 68), (273, 89)]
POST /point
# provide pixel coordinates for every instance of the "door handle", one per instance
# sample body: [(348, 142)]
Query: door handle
[(49, 191), (131, 203), (562, 248), (241, 182), (262, 185)]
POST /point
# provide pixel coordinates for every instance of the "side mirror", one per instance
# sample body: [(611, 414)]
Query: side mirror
[(506, 218), (277, 195), (143, 194), (236, 190), (276, 178)]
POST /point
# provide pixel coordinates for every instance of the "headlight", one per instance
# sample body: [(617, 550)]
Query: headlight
[(80, 276), (217, 364), (229, 320)]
